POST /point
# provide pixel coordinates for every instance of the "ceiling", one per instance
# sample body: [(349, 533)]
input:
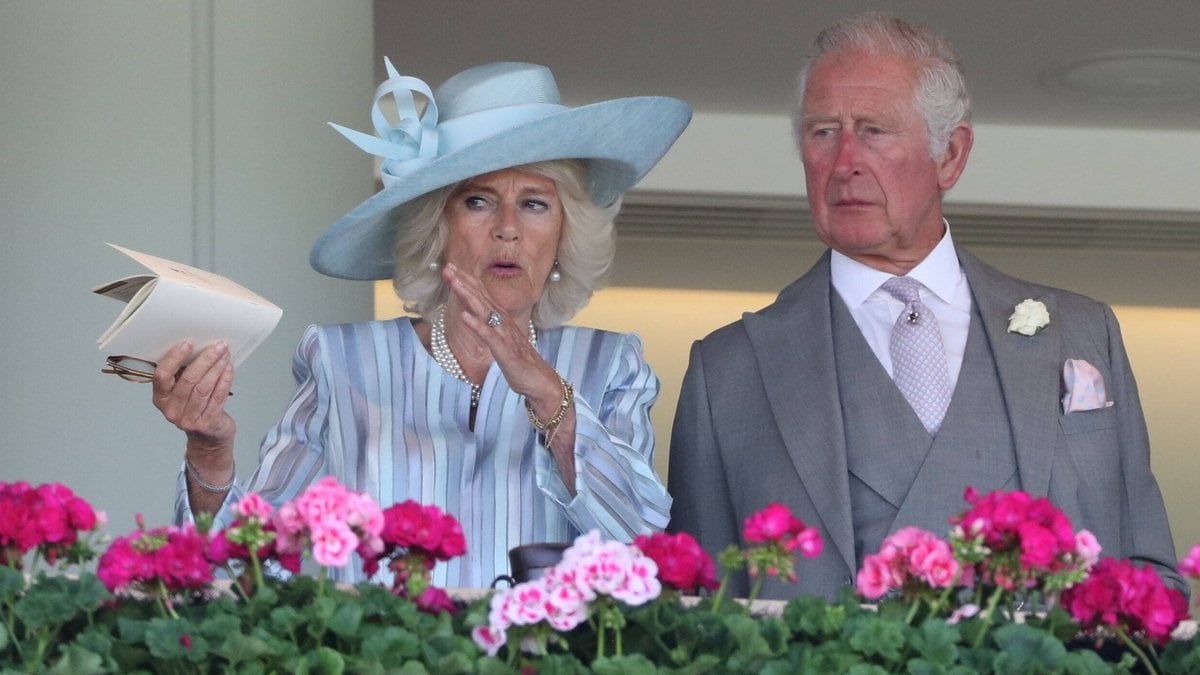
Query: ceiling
[(741, 56)]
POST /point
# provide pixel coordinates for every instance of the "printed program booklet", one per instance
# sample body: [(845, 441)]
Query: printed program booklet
[(180, 302)]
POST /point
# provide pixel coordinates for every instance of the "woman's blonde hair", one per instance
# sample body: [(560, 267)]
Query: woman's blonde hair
[(585, 248)]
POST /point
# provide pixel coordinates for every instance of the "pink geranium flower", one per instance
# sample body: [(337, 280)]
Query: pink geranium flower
[(1190, 565), (909, 560), (591, 574), (333, 520)]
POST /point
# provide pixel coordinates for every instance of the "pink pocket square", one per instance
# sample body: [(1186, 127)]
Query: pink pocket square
[(1085, 387)]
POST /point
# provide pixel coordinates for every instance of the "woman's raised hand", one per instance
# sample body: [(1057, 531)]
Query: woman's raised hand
[(508, 342)]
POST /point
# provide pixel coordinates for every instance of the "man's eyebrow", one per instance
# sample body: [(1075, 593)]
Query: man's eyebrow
[(810, 119)]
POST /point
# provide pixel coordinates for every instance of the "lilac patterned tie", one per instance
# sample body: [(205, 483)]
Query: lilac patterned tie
[(918, 357)]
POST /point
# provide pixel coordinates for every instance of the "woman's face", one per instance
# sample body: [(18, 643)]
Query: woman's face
[(504, 231)]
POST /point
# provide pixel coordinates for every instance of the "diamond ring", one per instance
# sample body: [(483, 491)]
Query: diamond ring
[(493, 319)]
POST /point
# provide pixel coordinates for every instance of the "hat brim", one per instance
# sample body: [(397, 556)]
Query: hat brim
[(620, 141)]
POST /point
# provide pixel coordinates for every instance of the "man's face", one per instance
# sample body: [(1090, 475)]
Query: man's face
[(874, 191)]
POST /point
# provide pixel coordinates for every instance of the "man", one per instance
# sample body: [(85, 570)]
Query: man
[(813, 402)]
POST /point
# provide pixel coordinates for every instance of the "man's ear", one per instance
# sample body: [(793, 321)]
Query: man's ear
[(952, 162)]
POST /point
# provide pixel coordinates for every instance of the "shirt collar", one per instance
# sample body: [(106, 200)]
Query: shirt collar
[(939, 272)]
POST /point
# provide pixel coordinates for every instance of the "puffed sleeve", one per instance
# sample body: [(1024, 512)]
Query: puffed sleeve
[(617, 489), (293, 453)]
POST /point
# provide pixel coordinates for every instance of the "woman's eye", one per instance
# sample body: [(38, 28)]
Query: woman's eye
[(475, 202), (536, 205)]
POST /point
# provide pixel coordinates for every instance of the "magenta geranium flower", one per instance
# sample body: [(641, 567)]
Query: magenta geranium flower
[(171, 556), (1020, 542), (48, 518), (1125, 597), (413, 537), (682, 563)]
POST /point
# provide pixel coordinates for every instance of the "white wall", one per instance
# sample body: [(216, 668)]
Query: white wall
[(190, 130)]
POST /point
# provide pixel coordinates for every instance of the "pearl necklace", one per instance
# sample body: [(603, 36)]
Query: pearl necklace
[(446, 359)]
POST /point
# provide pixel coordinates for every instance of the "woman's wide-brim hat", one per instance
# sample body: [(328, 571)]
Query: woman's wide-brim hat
[(484, 119)]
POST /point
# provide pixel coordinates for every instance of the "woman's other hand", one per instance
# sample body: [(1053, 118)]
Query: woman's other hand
[(193, 398)]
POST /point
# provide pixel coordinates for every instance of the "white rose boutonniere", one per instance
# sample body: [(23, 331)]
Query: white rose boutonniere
[(1029, 317)]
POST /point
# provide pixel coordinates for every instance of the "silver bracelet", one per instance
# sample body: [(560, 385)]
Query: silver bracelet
[(206, 486)]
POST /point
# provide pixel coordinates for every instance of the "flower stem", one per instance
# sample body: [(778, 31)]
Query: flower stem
[(720, 592), (912, 612), (256, 565), (1138, 652), (758, 584), (988, 614), (11, 625), (600, 637)]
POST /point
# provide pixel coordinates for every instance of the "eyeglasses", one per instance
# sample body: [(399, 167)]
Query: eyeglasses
[(132, 369)]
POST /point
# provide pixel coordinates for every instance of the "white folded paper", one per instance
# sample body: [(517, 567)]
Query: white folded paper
[(180, 302)]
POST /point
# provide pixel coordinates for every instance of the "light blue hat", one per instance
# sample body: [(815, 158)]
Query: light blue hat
[(484, 119)]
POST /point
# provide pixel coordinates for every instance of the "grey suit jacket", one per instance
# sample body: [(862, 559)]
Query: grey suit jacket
[(759, 420)]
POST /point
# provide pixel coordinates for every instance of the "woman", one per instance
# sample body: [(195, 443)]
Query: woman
[(496, 225)]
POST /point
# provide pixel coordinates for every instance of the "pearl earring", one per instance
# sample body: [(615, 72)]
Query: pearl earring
[(434, 267), (555, 275)]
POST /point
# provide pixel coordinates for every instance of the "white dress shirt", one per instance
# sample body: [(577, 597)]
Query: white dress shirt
[(946, 293)]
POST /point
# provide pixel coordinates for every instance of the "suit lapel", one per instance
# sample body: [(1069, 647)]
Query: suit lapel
[(1029, 368), (793, 344)]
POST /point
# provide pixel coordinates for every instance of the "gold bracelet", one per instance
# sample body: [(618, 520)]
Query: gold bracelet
[(568, 398)]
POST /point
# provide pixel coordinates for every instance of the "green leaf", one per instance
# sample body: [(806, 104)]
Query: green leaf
[(286, 618), (164, 638), (329, 662), (875, 636), (48, 602), (131, 630), (95, 641), (12, 582), (239, 647), (78, 661), (1090, 663), (813, 617), (346, 619), (936, 641), (1025, 649), (391, 645), (866, 669), (452, 663), (493, 666), (631, 664), (88, 593), (1181, 656)]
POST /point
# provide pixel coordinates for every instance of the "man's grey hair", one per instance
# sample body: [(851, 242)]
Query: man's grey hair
[(940, 95)]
